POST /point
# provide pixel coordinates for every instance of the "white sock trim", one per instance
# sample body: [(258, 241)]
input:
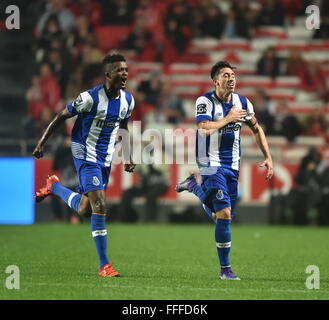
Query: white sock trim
[(223, 244), (72, 195), (97, 233)]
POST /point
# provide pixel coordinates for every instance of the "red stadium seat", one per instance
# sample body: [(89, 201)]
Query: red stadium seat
[(271, 32), (199, 45), (111, 37), (234, 44)]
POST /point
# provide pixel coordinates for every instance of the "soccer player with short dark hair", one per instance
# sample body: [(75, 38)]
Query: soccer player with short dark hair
[(100, 113), (219, 116)]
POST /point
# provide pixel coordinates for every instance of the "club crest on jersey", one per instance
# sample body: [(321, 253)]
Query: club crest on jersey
[(220, 195), (201, 109), (77, 101), (96, 181), (123, 112)]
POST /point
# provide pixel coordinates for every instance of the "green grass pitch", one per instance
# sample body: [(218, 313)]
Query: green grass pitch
[(166, 262)]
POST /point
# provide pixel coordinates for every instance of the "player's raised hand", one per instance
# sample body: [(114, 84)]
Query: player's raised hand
[(236, 115), (130, 166), (38, 152), (269, 166)]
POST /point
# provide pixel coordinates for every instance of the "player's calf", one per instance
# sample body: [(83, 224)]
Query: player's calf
[(84, 209), (223, 243), (99, 231)]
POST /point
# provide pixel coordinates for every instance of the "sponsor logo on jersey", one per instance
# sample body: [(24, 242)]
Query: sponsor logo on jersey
[(201, 109), (105, 124), (230, 128)]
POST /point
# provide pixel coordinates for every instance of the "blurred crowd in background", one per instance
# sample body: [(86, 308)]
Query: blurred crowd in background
[(68, 53), (69, 47)]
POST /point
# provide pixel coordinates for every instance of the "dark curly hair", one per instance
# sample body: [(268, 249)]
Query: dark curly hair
[(112, 58), (218, 66), (115, 57)]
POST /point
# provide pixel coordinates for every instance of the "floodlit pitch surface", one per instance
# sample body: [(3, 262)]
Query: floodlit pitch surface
[(59, 261)]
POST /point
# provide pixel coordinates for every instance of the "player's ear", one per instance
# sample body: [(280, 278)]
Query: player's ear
[(108, 75)]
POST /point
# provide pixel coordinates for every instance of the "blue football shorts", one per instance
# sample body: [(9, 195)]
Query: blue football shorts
[(221, 189), (92, 176)]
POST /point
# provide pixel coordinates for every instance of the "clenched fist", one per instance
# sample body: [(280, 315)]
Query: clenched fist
[(129, 167), (38, 152)]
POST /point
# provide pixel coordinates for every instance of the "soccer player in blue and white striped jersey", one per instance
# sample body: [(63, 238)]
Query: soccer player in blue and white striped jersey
[(219, 116), (100, 113)]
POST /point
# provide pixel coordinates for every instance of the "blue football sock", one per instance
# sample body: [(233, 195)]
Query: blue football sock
[(223, 241), (70, 197), (99, 232), (208, 212), (198, 191)]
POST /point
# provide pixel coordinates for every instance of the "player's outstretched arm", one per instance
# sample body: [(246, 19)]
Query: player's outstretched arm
[(263, 145), (235, 115), (53, 125)]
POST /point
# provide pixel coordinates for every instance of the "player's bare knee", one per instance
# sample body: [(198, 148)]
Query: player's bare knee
[(224, 214), (99, 205)]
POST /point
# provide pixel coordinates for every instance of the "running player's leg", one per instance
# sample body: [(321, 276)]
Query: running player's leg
[(84, 207), (97, 202), (222, 207), (223, 242), (233, 191), (77, 201), (213, 193), (71, 198), (97, 184), (98, 224), (74, 200), (191, 184), (222, 210), (209, 212)]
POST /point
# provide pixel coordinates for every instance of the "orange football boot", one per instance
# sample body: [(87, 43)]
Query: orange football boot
[(46, 191), (108, 271)]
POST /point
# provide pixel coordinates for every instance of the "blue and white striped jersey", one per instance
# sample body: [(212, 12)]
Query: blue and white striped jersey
[(95, 129), (221, 148)]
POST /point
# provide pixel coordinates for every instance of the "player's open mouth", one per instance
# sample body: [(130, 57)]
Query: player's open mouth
[(123, 82)]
